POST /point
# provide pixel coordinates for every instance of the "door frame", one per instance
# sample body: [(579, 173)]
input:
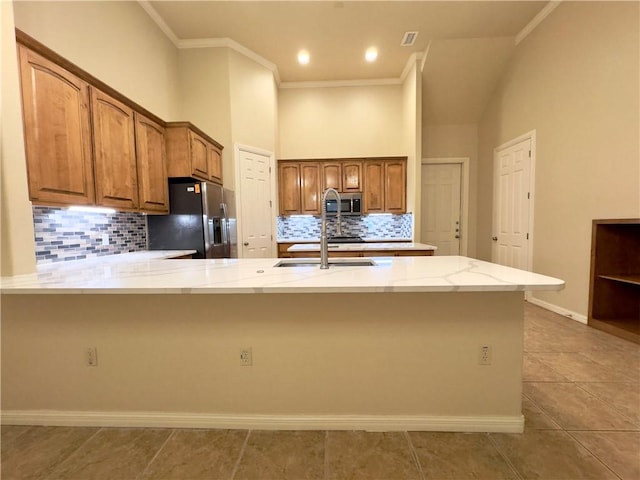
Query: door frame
[(464, 195), (530, 135), (237, 148)]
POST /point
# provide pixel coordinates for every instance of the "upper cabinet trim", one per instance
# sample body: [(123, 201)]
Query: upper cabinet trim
[(41, 49)]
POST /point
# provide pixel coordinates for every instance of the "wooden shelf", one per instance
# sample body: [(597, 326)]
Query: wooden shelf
[(632, 279), (627, 328), (614, 289)]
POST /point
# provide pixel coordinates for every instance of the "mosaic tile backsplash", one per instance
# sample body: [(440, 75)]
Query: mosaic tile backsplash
[(298, 227), (62, 234)]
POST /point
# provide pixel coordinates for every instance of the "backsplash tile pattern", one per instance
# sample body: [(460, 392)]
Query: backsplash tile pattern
[(298, 227), (63, 235)]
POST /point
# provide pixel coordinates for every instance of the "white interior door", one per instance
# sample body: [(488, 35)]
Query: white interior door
[(512, 172), (440, 207), (255, 204)]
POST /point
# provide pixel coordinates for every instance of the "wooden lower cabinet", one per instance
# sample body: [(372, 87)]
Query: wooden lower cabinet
[(116, 174)]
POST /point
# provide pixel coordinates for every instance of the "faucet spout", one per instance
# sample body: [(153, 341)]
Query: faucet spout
[(324, 244)]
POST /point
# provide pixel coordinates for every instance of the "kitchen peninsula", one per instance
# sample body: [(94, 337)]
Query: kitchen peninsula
[(393, 346)]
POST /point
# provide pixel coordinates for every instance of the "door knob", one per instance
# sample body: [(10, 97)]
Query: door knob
[(246, 244), (495, 239)]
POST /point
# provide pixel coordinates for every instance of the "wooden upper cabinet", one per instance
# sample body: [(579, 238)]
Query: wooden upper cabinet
[(199, 156), (191, 154), (215, 163), (373, 187), (310, 203), (395, 188), (351, 176), (331, 175), (289, 188), (385, 186), (116, 175), (57, 132), (153, 191)]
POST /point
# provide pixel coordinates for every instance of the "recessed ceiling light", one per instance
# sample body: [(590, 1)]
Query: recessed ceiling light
[(303, 57), (371, 54)]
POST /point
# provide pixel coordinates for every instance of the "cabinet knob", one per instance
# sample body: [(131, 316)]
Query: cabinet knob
[(246, 244), (495, 239)]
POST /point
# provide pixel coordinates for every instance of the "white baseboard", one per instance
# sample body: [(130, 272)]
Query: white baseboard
[(556, 309), (503, 424)]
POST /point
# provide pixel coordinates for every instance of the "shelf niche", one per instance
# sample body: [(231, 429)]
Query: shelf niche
[(614, 290)]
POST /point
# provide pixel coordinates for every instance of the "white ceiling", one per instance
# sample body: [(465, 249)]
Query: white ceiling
[(469, 42)]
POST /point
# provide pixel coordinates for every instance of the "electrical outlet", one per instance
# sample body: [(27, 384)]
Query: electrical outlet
[(246, 357), (484, 355), (91, 356)]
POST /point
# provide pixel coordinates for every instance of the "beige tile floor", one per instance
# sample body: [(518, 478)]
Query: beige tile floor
[(581, 401)]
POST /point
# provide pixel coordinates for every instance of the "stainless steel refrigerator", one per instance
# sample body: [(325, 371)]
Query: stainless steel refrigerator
[(202, 218)]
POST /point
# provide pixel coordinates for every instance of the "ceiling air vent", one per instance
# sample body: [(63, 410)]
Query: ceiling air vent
[(408, 39)]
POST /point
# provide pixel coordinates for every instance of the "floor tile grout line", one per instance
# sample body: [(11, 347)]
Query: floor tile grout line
[(29, 427), (144, 471), (597, 397), (593, 455), (414, 454), (57, 466), (240, 455), (504, 456)]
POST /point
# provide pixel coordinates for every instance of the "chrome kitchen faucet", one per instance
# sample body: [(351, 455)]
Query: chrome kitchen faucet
[(324, 244)]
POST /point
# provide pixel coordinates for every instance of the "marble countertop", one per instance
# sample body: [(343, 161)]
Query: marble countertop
[(146, 274), (360, 247), (366, 239)]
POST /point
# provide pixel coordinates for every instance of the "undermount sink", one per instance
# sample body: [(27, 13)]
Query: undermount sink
[(333, 262)]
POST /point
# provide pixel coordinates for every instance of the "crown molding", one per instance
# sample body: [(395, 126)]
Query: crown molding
[(155, 16), (233, 45), (342, 83), (410, 63), (537, 20)]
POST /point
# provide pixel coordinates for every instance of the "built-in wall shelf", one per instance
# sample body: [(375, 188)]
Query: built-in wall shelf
[(632, 279), (614, 290)]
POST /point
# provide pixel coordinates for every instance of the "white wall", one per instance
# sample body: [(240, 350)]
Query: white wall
[(15, 208), (206, 98), (254, 103), (412, 134), (339, 122), (116, 42), (574, 80)]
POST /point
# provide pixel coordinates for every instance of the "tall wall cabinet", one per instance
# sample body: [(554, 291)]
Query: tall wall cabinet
[(614, 291)]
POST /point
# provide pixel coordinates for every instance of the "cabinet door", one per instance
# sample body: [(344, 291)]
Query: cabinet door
[(199, 152), (289, 188), (114, 146), (57, 132), (331, 174), (395, 190), (152, 167), (352, 177), (374, 187), (215, 164), (310, 188)]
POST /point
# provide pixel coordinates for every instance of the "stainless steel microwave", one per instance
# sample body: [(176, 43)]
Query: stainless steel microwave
[(350, 204)]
